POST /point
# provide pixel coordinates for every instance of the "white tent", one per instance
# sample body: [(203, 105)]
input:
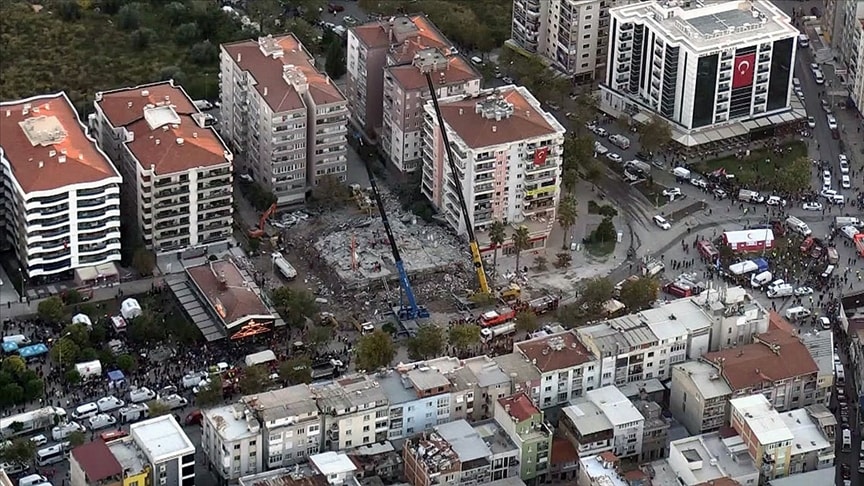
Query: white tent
[(130, 308), (82, 319)]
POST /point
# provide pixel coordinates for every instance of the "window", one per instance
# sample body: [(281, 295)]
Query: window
[(365, 428), (347, 443)]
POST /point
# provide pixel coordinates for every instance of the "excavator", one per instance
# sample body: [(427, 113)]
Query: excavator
[(476, 258), (262, 223)]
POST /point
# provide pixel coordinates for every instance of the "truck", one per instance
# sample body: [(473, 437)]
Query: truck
[(840, 221), (363, 327), (285, 268), (798, 226), (89, 369), (742, 268), (496, 317), (859, 244), (747, 195), (32, 421), (652, 268), (542, 305), (261, 357), (490, 333), (783, 290)]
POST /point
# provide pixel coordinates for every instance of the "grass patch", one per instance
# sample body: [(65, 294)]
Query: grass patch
[(653, 192), (751, 171), (600, 248)]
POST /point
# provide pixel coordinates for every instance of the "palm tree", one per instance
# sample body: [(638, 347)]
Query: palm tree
[(521, 243), (497, 235), (567, 213)]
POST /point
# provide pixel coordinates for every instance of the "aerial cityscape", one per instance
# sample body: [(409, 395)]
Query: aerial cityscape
[(432, 243)]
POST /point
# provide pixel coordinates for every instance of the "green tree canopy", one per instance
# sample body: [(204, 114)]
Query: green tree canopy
[(793, 177), (595, 293), (521, 242), (65, 352), (464, 336), (655, 134), (639, 294), (21, 451), (144, 261), (158, 408), (51, 310), (429, 342), (334, 64), (254, 380), (296, 370), (295, 306), (375, 351), (526, 321), (567, 212), (79, 333)]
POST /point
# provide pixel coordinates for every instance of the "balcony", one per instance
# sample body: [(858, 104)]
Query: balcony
[(172, 202), (171, 192), (171, 223)]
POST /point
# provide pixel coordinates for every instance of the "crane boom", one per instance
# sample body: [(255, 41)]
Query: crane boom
[(476, 258), (412, 310)]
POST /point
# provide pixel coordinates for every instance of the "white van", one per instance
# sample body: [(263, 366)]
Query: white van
[(761, 279), (803, 40), (134, 413), (142, 394), (841, 221), (798, 226), (63, 431), (32, 480), (797, 312), (19, 339), (85, 411), (620, 141), (849, 231), (847, 440), (476, 61)]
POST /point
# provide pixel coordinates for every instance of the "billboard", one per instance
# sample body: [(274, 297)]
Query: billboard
[(743, 70)]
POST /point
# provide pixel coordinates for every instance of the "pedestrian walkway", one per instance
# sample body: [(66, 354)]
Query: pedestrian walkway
[(12, 309)]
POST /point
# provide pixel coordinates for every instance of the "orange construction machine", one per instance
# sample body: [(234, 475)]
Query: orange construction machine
[(262, 223)]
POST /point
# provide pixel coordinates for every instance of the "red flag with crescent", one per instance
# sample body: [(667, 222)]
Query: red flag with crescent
[(743, 70), (540, 155)]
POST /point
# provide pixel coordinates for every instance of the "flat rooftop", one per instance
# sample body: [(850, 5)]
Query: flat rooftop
[(807, 435), (523, 371), (765, 422), (300, 475), (821, 347), (161, 437), (617, 407), (397, 390), (293, 401), (706, 378), (596, 469), (48, 147), (129, 455), (426, 378), (705, 447), (556, 352), (166, 136), (330, 462), (464, 440), (819, 476), (228, 425), (347, 394), (587, 417), (494, 437), (486, 371), (228, 292)]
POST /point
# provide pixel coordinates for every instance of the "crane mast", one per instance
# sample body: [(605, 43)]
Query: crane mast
[(476, 258)]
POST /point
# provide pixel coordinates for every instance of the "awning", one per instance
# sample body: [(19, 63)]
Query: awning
[(641, 118), (86, 274), (107, 270), (116, 375)]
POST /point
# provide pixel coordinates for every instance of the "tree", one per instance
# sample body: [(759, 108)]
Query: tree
[(14, 365), (126, 363), (158, 408), (144, 261), (541, 263), (65, 352), (639, 294), (51, 310), (585, 111), (318, 336), (567, 212), (334, 64), (375, 351), (144, 329), (69, 11), (295, 306), (793, 177), (497, 235), (79, 333), (176, 13), (521, 242), (296, 370), (141, 38), (20, 451), (595, 293), (464, 336), (604, 233), (429, 342), (203, 53), (76, 438), (526, 321), (254, 380), (563, 259), (579, 154), (187, 33), (331, 192), (72, 296), (72, 377), (655, 134), (33, 389), (569, 179), (129, 16)]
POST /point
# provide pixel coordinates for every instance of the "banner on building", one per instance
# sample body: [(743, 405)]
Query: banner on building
[(540, 155), (744, 67)]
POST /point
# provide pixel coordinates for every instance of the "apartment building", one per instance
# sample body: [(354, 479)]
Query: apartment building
[(820, 344), (373, 48), (572, 35), (606, 470), (324, 469), (592, 433), (285, 117), (117, 462), (713, 70), (177, 171), (848, 40), (764, 433), (419, 398), (484, 379), (525, 377), (855, 72), (699, 397), (736, 316), (655, 430), (814, 435), (707, 459), (508, 150), (356, 409), (567, 369), (168, 452), (456, 453), (60, 193), (525, 425), (777, 364), (642, 346)]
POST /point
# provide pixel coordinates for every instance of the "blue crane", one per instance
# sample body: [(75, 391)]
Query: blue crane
[(411, 310)]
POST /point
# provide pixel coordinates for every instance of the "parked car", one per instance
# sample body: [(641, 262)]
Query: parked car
[(844, 164), (662, 223), (600, 132), (672, 192), (802, 291), (109, 403), (812, 206), (811, 122), (101, 421), (613, 157)]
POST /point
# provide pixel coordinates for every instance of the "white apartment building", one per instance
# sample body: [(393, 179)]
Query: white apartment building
[(508, 152), (356, 411), (642, 346), (168, 451), (567, 369), (711, 69), (573, 35), (231, 439), (286, 119), (177, 171), (699, 397), (626, 422), (855, 40), (701, 459), (60, 193), (848, 40), (484, 382)]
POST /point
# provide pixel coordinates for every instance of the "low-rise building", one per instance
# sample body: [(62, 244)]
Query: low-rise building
[(585, 425), (419, 399), (604, 470), (524, 377), (291, 426), (337, 467), (699, 397), (564, 463), (177, 171), (655, 430), (820, 476), (525, 425), (504, 453), (821, 347), (567, 369), (485, 380), (452, 454), (169, 453), (93, 464), (765, 434), (591, 433), (736, 316), (813, 438), (381, 460), (357, 412), (700, 459)]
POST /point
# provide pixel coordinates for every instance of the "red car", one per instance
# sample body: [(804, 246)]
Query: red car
[(193, 418), (334, 8)]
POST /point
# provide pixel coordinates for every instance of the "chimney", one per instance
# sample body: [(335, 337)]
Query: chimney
[(157, 141), (61, 159), (460, 111), (41, 164), (129, 105), (194, 134), (167, 98), (265, 90), (179, 141), (494, 128), (145, 93), (239, 57), (507, 408)]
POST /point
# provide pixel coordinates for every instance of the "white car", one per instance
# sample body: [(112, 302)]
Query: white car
[(844, 164), (101, 421), (820, 78), (800, 93), (698, 182), (662, 223), (832, 122), (802, 291), (826, 105), (828, 193), (845, 182), (599, 149), (826, 178), (613, 157), (109, 404), (141, 394), (826, 324), (811, 122), (600, 132), (814, 66), (672, 192), (812, 206), (776, 201)]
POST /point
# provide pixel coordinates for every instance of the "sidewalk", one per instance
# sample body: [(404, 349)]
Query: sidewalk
[(12, 309), (851, 125)]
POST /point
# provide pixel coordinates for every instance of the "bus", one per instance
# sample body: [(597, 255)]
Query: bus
[(50, 455)]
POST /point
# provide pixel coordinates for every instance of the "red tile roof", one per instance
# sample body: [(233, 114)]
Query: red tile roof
[(83, 162), (520, 406), (268, 69), (227, 291), (97, 461), (776, 321), (563, 451), (410, 78), (778, 355), (159, 147), (404, 35), (478, 131), (557, 352)]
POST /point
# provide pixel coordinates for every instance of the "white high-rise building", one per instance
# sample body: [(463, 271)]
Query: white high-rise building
[(508, 152), (60, 193), (713, 70)]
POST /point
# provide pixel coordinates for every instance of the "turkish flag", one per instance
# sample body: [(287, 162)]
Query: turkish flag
[(540, 155), (743, 70)]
